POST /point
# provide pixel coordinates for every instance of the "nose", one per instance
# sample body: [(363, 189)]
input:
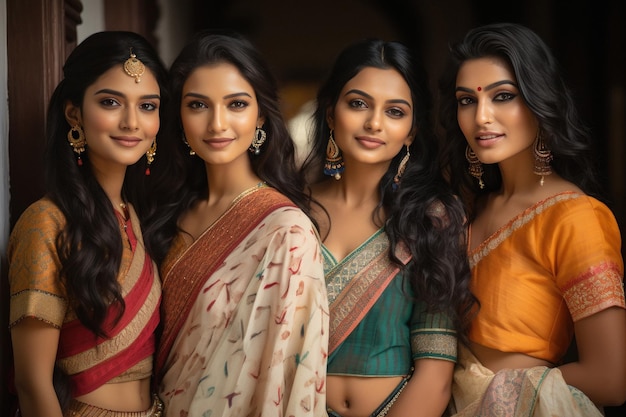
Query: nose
[(483, 112), (130, 120), (218, 121), (373, 121)]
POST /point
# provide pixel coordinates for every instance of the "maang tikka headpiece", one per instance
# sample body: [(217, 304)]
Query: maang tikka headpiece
[(134, 67)]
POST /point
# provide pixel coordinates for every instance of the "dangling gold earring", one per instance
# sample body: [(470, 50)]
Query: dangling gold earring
[(543, 157), (475, 166), (333, 166), (191, 151), (76, 138), (401, 169), (150, 156), (257, 141)]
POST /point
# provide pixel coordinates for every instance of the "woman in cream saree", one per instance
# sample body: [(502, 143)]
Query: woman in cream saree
[(244, 314)]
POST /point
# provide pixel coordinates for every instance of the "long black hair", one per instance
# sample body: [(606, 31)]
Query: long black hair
[(543, 90), (374, 53), (423, 214), (186, 181), (90, 245)]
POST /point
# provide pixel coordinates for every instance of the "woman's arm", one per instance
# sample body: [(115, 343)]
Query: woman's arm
[(600, 371), (428, 392), (34, 349)]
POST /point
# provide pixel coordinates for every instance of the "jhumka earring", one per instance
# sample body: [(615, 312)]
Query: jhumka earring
[(76, 138), (543, 157), (401, 169), (257, 141), (475, 166), (191, 151), (134, 67), (334, 161), (150, 156)]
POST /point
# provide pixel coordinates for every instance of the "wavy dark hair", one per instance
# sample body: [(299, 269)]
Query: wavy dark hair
[(90, 245), (543, 90), (185, 181), (438, 271), (374, 53)]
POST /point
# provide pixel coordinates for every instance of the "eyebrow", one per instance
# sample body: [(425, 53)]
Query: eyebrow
[(227, 96), (364, 94), (489, 87), (120, 94)]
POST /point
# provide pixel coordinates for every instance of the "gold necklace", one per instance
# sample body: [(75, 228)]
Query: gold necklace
[(124, 214)]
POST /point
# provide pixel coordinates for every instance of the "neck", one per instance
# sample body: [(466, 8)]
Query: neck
[(228, 181), (358, 185), (111, 182), (518, 176)]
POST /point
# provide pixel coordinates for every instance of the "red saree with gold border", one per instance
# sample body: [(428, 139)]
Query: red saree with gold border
[(36, 291)]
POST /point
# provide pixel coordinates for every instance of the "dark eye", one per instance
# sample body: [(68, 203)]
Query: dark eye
[(358, 103), (238, 104), (109, 102), (396, 112), (464, 101), (196, 105), (148, 106), (504, 97)]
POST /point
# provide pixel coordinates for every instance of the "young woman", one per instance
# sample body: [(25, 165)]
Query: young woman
[(395, 265), (84, 292), (545, 254), (245, 315)]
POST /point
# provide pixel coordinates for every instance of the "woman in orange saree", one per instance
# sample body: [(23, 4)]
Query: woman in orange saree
[(545, 254)]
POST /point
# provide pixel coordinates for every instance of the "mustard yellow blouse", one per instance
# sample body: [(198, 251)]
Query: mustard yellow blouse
[(555, 263)]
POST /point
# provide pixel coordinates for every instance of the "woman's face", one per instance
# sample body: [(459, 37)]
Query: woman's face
[(491, 113), (372, 119), (120, 118), (220, 113)]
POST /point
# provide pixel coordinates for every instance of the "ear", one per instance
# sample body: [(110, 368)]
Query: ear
[(411, 137), (260, 121), (330, 118), (73, 114)]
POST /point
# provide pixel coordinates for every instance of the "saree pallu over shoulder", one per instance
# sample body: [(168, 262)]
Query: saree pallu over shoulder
[(182, 281), (355, 284), (126, 354), (246, 315)]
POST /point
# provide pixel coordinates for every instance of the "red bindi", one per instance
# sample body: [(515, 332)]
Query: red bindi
[(479, 88)]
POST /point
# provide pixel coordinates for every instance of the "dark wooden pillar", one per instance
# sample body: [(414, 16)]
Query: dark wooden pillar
[(40, 35), (138, 16)]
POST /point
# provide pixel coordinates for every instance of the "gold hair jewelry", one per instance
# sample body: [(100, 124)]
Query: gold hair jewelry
[(76, 138), (134, 67), (475, 166)]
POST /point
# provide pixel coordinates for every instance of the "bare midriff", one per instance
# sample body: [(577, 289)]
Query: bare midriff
[(123, 396), (497, 360), (354, 396)]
